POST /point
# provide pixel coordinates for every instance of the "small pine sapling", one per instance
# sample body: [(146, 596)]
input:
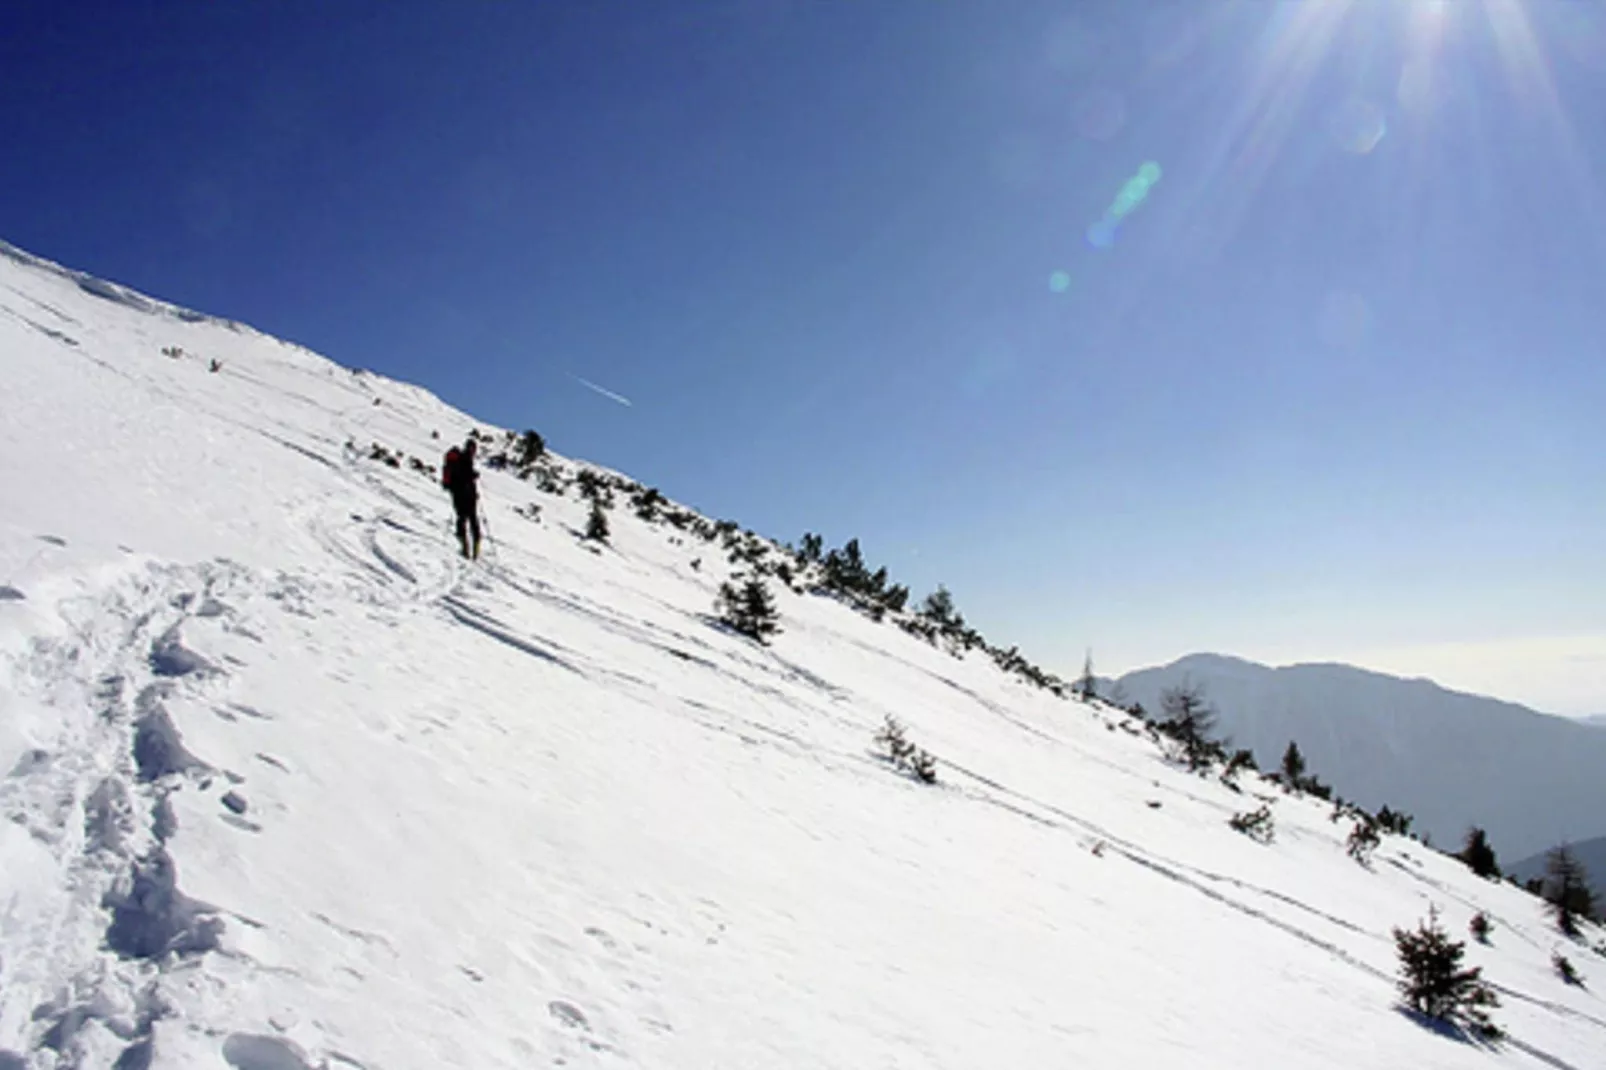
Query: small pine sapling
[(749, 609), (904, 755), (1480, 926), (531, 448), (1566, 970), (1479, 855), (1293, 767), (923, 765), (597, 529), (891, 739), (1434, 982)]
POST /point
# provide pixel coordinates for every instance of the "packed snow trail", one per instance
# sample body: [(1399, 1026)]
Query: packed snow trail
[(290, 785)]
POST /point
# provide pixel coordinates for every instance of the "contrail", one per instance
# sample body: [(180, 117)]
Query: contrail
[(604, 391)]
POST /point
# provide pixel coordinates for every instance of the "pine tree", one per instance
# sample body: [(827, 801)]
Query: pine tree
[(1434, 982), (1395, 821), (1293, 765), (1241, 760), (597, 525), (1190, 721), (749, 609), (1480, 926), (1478, 855), (1567, 889), (1088, 686), (531, 448), (845, 570), (916, 761), (939, 608)]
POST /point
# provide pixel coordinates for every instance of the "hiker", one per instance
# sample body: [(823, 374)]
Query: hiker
[(458, 476)]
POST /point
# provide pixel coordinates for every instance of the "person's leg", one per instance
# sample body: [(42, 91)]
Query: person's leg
[(474, 526), (462, 529)]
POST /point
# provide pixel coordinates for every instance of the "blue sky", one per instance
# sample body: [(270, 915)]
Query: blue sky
[(1333, 391)]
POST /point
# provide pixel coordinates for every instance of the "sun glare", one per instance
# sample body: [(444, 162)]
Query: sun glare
[(1530, 81), (1301, 41)]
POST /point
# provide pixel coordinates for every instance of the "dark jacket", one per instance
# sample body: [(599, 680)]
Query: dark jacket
[(458, 476)]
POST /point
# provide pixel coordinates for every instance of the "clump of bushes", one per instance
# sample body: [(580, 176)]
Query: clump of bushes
[(1257, 824), (1363, 840), (904, 755)]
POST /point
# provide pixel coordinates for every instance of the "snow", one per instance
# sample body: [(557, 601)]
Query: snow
[(288, 785)]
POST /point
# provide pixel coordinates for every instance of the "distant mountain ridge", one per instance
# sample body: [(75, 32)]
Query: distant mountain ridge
[(1451, 759), (1592, 853)]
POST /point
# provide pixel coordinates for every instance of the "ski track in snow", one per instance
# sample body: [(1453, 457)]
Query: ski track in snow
[(352, 801)]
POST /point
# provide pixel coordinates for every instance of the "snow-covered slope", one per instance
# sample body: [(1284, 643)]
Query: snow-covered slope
[(286, 785), (1448, 758)]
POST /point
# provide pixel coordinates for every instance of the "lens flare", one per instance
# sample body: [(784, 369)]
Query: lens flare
[(1059, 282), (1101, 235)]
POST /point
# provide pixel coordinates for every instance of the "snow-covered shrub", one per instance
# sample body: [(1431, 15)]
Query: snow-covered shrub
[(1434, 982), (1257, 824)]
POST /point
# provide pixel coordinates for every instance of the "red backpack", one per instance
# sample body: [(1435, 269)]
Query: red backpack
[(449, 467)]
